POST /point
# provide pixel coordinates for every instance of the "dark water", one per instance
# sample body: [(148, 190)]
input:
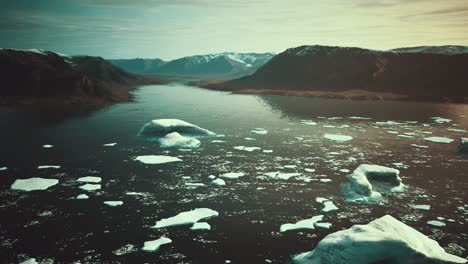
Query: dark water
[(52, 225)]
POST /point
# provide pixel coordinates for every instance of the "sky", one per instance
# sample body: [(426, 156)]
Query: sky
[(169, 29)]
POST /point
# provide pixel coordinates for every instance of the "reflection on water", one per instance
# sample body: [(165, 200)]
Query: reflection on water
[(53, 225)]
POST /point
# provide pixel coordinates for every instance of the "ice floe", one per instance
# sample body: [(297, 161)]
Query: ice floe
[(322, 225), (421, 206), (267, 151), (359, 188), (29, 261), (219, 182), (186, 218), (281, 175), (340, 138), (201, 226), (327, 205), (309, 123), (419, 146), (232, 175), (248, 149), (388, 123), (162, 127), (47, 146), (359, 118), (113, 203), (33, 184), (384, 240), (3, 168), (441, 120), (436, 223), (156, 159), (154, 245), (303, 224), (439, 139), (82, 196), (92, 179), (109, 144), (249, 138), (90, 187), (218, 141), (42, 167), (260, 131), (463, 146), (176, 140)]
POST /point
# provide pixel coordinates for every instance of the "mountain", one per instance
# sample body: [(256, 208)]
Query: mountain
[(448, 49), (34, 75), (220, 64), (336, 71)]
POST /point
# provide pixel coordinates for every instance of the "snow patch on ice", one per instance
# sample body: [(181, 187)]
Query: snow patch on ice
[(162, 127)]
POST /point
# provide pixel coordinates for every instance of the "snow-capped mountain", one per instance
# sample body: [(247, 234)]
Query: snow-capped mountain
[(224, 64), (448, 49)]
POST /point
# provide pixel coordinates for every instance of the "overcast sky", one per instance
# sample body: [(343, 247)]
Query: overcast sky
[(169, 29)]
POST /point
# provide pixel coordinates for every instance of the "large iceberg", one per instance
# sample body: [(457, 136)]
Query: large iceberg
[(162, 127), (385, 240), (33, 184), (360, 189), (176, 140)]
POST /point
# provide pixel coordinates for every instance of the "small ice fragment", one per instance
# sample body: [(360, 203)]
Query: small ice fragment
[(219, 182), (218, 141), (328, 206), (3, 168), (249, 138), (309, 123), (211, 177), (135, 194), (340, 138), (303, 224), (249, 149), (421, 206), (194, 184), (33, 184), (321, 199), (419, 146), (232, 175), (186, 218), (124, 250), (113, 203), (109, 144), (267, 151), (260, 131), (90, 187), (441, 120), (359, 118), (325, 180), (48, 167), (344, 170), (30, 261), (82, 196), (176, 140), (322, 225), (154, 245), (47, 146), (309, 170), (92, 179), (156, 159), (439, 139), (436, 223), (201, 226)]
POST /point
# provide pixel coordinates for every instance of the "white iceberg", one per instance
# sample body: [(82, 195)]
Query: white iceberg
[(260, 131), (441, 120), (436, 223), (201, 226), (232, 175), (92, 179), (162, 127), (340, 138), (33, 184), (385, 240), (82, 196), (281, 175), (156, 159), (90, 187), (303, 224), (3, 168), (113, 203), (186, 218), (219, 182), (421, 206), (439, 139), (154, 245), (42, 167), (109, 144), (176, 140), (244, 148), (47, 146)]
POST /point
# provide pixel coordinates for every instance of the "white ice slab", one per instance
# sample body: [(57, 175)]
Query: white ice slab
[(421, 207), (82, 196), (113, 203), (232, 175), (33, 184), (303, 224), (90, 187), (339, 138), (439, 139), (92, 179), (219, 182), (201, 226), (186, 218), (154, 245), (109, 144), (436, 223), (41, 167), (248, 149), (47, 146), (156, 159)]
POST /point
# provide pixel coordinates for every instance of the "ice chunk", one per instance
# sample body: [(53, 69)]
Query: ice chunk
[(321, 199), (385, 240), (441, 120), (359, 118), (109, 144), (303, 224), (154, 245), (340, 138), (260, 131), (282, 175), (48, 167), (436, 223), (218, 141), (211, 177), (186, 218), (3, 168), (463, 147), (113, 203), (219, 182), (344, 170), (309, 170), (232, 175), (129, 248), (439, 139), (176, 140), (325, 180), (156, 159), (92, 179), (309, 123), (457, 130), (194, 184), (135, 194), (47, 146), (249, 138), (30, 261), (419, 146), (82, 196), (388, 123), (162, 127), (421, 206), (90, 187), (322, 225), (249, 149), (328, 206), (201, 226), (267, 151), (33, 184)]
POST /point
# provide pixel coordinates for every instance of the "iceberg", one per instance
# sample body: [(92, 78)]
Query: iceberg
[(201, 226), (439, 139), (42, 167), (463, 147), (384, 240), (162, 127), (109, 144), (176, 140), (154, 245), (281, 175), (156, 159), (47, 146), (249, 149), (82, 196), (92, 179), (303, 224), (186, 218), (340, 138), (33, 184), (113, 203), (90, 187), (232, 175), (260, 131), (219, 182)]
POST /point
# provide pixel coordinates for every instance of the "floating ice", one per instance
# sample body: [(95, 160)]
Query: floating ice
[(249, 149), (48, 167), (421, 206), (436, 223), (344, 170), (441, 120), (309, 123), (90, 187), (282, 175), (303, 224), (359, 118), (135, 194), (325, 180), (389, 123), (260, 131), (30, 261), (328, 206), (113, 203), (201, 226), (290, 166), (82, 196), (211, 177), (439, 139), (337, 137), (321, 199), (129, 248), (3, 168), (322, 225), (194, 184), (176, 140), (457, 130), (156, 159), (186, 218), (219, 182), (47, 146), (463, 147), (162, 127), (218, 141), (249, 138), (385, 240), (92, 179), (33, 184), (232, 175), (419, 146), (109, 144), (267, 151), (154, 245)]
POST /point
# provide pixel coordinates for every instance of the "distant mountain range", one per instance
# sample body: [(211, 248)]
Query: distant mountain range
[(422, 73), (29, 75), (221, 64)]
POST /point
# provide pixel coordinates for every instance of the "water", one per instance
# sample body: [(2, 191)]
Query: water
[(52, 225)]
